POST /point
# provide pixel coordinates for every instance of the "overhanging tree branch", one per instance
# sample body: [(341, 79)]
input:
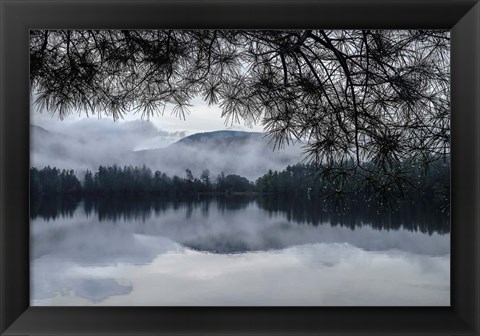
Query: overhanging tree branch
[(377, 97)]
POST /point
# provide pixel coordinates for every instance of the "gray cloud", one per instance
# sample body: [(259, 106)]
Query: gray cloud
[(87, 143)]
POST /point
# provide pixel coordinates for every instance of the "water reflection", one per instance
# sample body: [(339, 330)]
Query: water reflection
[(147, 251), (424, 216), (100, 289)]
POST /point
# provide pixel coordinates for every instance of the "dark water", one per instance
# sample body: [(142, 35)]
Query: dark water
[(237, 250)]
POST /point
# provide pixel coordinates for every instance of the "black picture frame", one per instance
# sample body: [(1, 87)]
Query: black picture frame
[(17, 17)]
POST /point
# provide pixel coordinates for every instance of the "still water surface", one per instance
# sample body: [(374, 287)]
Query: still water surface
[(209, 251)]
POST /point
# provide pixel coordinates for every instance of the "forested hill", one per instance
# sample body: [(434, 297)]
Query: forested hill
[(216, 141), (221, 138), (248, 154)]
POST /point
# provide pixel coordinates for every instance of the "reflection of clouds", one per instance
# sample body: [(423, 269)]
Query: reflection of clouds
[(254, 229), (101, 289), (88, 242), (51, 277), (312, 274), (80, 261)]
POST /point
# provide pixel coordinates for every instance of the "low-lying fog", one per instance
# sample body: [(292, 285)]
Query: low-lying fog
[(87, 143)]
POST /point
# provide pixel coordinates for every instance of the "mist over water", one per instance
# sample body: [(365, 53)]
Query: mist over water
[(235, 251)]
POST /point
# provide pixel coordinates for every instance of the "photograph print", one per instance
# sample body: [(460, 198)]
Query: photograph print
[(240, 168)]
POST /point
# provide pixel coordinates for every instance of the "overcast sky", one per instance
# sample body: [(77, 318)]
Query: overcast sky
[(79, 142)]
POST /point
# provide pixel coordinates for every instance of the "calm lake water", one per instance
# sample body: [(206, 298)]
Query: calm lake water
[(237, 250)]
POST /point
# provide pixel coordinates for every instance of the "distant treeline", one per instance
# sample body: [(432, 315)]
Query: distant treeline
[(132, 180), (414, 181), (299, 179)]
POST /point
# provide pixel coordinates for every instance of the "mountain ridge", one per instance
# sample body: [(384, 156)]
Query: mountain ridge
[(248, 154), (221, 137)]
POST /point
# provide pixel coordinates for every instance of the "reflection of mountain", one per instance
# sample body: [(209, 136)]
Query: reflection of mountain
[(239, 224), (248, 154), (69, 252), (352, 214)]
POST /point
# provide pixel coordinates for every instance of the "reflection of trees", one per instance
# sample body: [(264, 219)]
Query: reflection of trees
[(124, 207), (133, 207), (53, 207), (232, 203), (422, 215), (142, 207)]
